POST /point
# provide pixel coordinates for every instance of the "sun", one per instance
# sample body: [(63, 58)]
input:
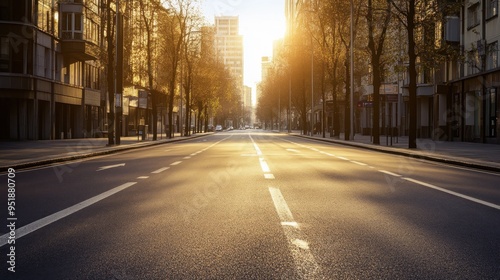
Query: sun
[(259, 35)]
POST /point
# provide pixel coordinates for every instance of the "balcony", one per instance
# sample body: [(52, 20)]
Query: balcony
[(76, 48), (79, 31)]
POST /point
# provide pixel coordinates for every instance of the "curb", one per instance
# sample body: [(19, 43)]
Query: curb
[(112, 150), (400, 152)]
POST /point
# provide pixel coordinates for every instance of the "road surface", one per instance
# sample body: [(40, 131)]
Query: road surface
[(251, 205)]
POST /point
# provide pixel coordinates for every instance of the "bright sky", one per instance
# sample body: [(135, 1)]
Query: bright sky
[(261, 22)]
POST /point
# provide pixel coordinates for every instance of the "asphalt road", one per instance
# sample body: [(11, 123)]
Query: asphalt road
[(251, 205)]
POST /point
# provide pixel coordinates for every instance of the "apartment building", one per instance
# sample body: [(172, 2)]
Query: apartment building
[(50, 78), (473, 109), (229, 47), (456, 101)]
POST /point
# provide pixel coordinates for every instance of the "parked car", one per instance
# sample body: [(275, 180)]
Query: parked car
[(218, 127)]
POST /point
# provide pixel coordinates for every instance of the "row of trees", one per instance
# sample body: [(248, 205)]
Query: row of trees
[(168, 51), (388, 34)]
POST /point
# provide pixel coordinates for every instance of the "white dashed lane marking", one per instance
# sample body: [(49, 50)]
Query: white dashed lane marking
[(264, 166), (160, 170), (269, 176), (390, 173), (306, 265)]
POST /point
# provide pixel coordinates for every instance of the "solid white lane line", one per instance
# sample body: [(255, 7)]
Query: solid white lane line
[(264, 166), (29, 228), (358, 163), (176, 163), (389, 173), (160, 170), (342, 158), (305, 264), (489, 204)]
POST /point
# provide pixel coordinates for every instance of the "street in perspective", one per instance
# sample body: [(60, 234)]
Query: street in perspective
[(263, 139), (252, 204)]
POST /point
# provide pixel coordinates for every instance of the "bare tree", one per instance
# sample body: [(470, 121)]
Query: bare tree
[(183, 13), (376, 14), (149, 10), (110, 71), (419, 18)]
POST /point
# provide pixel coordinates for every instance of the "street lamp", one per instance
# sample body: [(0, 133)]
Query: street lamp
[(119, 74), (312, 86), (351, 136)]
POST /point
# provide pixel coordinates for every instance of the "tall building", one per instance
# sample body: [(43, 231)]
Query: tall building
[(50, 79), (266, 64), (229, 45)]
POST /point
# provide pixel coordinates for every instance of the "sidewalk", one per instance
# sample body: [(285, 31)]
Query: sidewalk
[(475, 155), (25, 154)]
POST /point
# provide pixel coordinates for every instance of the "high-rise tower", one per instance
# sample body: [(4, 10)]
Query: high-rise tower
[(229, 44)]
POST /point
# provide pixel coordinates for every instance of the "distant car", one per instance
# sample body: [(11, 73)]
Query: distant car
[(218, 127)]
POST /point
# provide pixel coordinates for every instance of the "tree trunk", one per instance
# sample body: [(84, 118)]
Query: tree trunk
[(110, 76), (206, 118), (347, 108), (170, 101), (187, 117), (412, 72), (376, 100)]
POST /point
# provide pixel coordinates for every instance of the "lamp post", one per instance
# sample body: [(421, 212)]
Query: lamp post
[(312, 86), (290, 101), (351, 113), (119, 74)]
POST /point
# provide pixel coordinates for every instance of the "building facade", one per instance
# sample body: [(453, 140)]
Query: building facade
[(472, 103), (456, 101), (229, 45), (50, 77)]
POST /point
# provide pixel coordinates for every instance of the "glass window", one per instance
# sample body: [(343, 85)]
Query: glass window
[(491, 112), (491, 8), (492, 56), (72, 25), (473, 15), (4, 54), (473, 63), (78, 22), (44, 16)]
